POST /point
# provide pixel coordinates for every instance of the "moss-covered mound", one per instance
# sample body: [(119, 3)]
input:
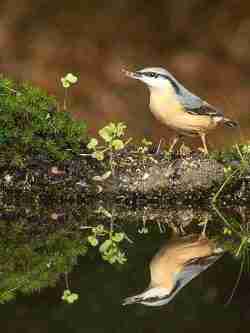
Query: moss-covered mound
[(32, 123)]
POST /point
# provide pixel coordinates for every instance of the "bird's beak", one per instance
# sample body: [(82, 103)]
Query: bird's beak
[(133, 75)]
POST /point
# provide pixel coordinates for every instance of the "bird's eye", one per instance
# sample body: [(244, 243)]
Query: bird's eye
[(152, 75)]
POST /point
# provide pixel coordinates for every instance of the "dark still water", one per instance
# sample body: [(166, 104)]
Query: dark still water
[(200, 306)]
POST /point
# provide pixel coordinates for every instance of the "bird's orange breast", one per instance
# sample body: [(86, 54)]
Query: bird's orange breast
[(167, 109)]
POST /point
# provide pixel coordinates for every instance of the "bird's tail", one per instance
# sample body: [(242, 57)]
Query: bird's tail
[(230, 123)]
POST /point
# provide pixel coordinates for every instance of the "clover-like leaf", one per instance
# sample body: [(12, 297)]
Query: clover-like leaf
[(121, 258), (93, 240), (69, 297), (98, 155), (145, 142), (65, 83), (105, 245), (92, 143), (71, 78), (112, 260), (99, 229), (75, 296), (120, 128), (227, 231), (66, 294), (108, 132), (117, 144), (118, 237)]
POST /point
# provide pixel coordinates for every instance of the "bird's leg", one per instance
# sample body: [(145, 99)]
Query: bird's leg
[(203, 139), (203, 233), (174, 142), (159, 146)]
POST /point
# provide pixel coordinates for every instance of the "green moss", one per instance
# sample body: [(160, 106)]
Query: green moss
[(31, 124)]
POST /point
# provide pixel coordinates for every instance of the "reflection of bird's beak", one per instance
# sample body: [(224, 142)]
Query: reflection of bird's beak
[(130, 300), (135, 299), (132, 75)]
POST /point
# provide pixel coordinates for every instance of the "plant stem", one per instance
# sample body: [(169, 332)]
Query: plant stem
[(224, 184), (66, 280), (229, 225), (241, 245), (236, 284), (65, 99)]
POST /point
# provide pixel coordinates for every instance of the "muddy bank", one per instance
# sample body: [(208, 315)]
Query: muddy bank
[(130, 177)]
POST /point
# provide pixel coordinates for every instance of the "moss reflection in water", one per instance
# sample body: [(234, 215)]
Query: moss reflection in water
[(29, 264)]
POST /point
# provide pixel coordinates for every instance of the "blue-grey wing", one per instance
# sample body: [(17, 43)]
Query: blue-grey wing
[(205, 110), (196, 106)]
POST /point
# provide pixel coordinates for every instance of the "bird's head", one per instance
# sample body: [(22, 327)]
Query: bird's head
[(153, 296), (155, 77)]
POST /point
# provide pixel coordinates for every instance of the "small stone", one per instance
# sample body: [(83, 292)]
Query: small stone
[(8, 178)]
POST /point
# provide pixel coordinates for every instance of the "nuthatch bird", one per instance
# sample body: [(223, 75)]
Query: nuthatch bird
[(178, 108), (174, 266)]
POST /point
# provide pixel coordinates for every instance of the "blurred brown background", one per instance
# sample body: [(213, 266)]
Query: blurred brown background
[(205, 44)]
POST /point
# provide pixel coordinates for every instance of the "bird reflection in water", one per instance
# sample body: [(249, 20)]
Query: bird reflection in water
[(174, 265)]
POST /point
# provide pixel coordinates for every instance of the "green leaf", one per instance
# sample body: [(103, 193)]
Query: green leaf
[(121, 258), (71, 78), (65, 83), (99, 229), (66, 294), (69, 297), (120, 129), (93, 240), (92, 143), (98, 155), (118, 144), (105, 245), (75, 297), (118, 237), (112, 260), (108, 132), (145, 142)]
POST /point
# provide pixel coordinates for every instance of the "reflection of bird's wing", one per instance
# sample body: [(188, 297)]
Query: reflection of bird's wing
[(181, 259), (189, 272), (193, 268)]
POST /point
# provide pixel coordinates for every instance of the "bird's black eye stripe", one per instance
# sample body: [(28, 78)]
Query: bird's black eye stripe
[(151, 74), (158, 75)]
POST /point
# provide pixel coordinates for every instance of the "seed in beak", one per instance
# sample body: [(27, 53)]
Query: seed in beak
[(132, 75)]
